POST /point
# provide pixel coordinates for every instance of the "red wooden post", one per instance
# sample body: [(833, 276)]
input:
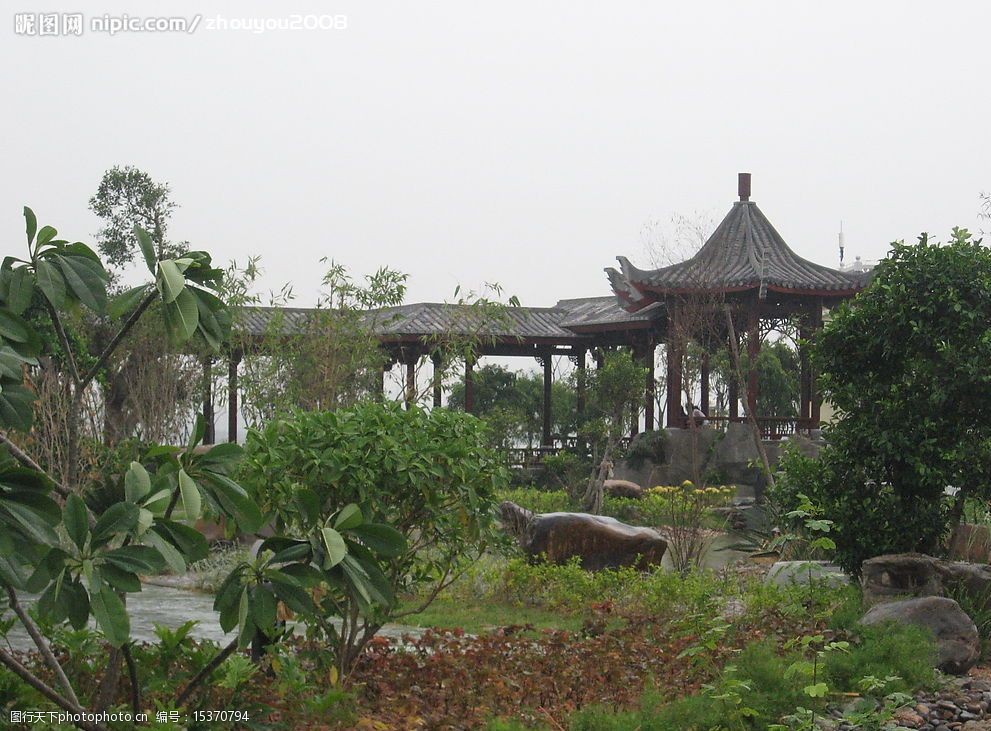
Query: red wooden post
[(753, 350), (469, 387), (209, 436), (674, 417), (232, 364), (409, 395), (704, 375), (546, 439), (435, 359), (816, 396)]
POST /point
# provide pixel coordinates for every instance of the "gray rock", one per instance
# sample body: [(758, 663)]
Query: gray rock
[(682, 449), (790, 573), (914, 574), (736, 457), (957, 642)]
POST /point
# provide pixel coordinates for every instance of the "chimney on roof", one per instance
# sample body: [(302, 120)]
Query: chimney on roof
[(743, 184)]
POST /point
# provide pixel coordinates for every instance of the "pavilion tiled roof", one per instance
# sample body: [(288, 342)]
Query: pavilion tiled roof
[(569, 320), (745, 252)]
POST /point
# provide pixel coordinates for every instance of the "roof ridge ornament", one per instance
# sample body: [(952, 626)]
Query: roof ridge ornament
[(743, 186)]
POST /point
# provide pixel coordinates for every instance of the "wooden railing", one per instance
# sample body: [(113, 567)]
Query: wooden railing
[(771, 427), (525, 457)]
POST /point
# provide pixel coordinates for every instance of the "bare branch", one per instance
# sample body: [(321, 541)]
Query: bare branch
[(46, 690), (42, 645), (115, 341)]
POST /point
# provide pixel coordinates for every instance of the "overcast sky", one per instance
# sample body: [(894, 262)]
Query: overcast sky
[(525, 143)]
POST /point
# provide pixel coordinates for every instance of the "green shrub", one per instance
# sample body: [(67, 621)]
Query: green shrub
[(774, 691), (539, 501), (565, 470), (881, 651), (419, 489)]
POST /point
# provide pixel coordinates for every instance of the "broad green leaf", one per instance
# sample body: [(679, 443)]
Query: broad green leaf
[(243, 607), (185, 314), (381, 539), (234, 500), (109, 612), (170, 280), (21, 290), (78, 605), (189, 541), (136, 558), (263, 609), (146, 519), (13, 327), (137, 482), (51, 283), (28, 521), (197, 433), (172, 557), (191, 499), (46, 234), (75, 520), (120, 579), (147, 248), (31, 224), (118, 518), (85, 284), (336, 548), (16, 410), (349, 517), (126, 302)]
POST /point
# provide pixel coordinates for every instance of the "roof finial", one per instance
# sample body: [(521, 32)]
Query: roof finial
[(743, 184)]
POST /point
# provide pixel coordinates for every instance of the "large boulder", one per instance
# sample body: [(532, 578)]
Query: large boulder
[(736, 458), (598, 541), (684, 449), (958, 646), (623, 488), (914, 574)]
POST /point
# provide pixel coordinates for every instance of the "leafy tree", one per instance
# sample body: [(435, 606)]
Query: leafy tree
[(325, 358), (128, 197), (777, 379), (429, 475), (906, 366), (512, 404)]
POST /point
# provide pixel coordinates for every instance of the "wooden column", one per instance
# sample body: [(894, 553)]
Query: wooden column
[(409, 393), (232, 363), (469, 387), (733, 394), (805, 379), (580, 378), (704, 377), (816, 326), (753, 351), (647, 358), (635, 415), (436, 360), (545, 437), (674, 417), (210, 435)]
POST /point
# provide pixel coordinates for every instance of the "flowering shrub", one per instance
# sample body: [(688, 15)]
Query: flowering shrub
[(684, 511)]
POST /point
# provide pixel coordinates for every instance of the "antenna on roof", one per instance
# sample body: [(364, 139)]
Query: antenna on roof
[(841, 244)]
